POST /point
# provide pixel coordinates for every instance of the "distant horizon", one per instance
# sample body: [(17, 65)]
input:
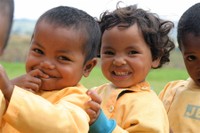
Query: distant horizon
[(26, 25)]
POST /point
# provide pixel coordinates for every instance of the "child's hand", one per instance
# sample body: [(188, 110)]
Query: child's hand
[(30, 81), (5, 84), (94, 106)]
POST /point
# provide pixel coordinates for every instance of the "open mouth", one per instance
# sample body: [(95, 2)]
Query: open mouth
[(120, 73)]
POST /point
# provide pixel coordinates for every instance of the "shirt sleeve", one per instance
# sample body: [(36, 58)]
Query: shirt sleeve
[(105, 125), (102, 124), (28, 112), (3, 106)]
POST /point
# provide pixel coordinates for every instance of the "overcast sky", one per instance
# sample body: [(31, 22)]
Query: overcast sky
[(32, 9)]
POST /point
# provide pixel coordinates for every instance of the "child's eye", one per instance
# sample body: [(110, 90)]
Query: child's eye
[(108, 53), (36, 50), (132, 52), (191, 58), (64, 58)]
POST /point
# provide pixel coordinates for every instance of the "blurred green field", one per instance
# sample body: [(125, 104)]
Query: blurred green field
[(157, 78)]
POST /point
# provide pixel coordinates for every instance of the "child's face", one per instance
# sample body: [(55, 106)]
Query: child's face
[(190, 49), (126, 58), (58, 52)]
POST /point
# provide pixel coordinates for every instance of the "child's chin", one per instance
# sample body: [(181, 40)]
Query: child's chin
[(46, 86)]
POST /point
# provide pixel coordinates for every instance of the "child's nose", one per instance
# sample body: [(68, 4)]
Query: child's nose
[(118, 61), (47, 64)]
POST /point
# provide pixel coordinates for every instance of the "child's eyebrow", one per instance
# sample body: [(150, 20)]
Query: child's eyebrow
[(107, 47), (64, 51), (38, 44), (188, 53)]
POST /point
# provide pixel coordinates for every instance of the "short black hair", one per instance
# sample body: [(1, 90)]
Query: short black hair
[(154, 30), (189, 22), (70, 17)]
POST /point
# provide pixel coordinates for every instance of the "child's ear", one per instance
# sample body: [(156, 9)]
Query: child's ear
[(89, 66), (155, 63)]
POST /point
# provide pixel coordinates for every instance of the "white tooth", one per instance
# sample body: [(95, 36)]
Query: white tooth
[(121, 73)]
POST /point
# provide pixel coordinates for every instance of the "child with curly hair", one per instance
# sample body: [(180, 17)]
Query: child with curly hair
[(133, 42)]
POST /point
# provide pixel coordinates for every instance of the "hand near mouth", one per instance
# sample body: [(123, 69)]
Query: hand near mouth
[(30, 81)]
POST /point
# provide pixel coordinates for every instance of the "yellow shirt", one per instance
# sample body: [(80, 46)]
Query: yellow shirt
[(182, 101), (135, 109), (60, 111)]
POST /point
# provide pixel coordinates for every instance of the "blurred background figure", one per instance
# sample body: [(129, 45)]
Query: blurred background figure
[(6, 18)]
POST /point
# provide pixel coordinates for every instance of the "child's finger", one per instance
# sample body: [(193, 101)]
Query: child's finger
[(94, 96), (38, 73), (33, 86), (94, 106), (93, 116), (91, 113)]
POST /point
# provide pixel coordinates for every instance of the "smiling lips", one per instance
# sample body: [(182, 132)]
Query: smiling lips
[(51, 75), (120, 73)]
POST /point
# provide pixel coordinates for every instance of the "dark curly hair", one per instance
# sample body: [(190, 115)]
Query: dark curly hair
[(154, 30), (189, 23)]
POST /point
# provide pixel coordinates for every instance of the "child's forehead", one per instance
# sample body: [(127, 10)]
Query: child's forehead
[(80, 31), (190, 41), (51, 33)]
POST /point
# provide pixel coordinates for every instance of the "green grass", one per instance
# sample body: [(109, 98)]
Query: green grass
[(13, 69), (157, 78)]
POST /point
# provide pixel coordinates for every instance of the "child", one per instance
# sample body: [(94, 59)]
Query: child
[(133, 42), (63, 47), (181, 98)]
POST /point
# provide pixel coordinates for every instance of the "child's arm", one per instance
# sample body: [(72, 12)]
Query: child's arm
[(5, 84), (30, 81), (36, 114), (27, 81)]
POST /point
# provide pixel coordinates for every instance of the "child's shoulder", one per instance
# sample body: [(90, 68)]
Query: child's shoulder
[(101, 87), (176, 83), (172, 87), (78, 89)]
